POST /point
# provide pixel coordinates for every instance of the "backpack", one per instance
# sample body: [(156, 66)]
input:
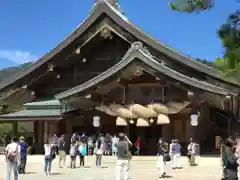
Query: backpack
[(53, 153), (11, 156), (83, 150)]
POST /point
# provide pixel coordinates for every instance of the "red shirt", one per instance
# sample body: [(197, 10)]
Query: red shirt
[(137, 143)]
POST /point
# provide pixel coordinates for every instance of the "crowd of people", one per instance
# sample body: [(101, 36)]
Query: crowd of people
[(81, 146)]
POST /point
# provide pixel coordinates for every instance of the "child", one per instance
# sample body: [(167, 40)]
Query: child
[(137, 145), (82, 153), (73, 154)]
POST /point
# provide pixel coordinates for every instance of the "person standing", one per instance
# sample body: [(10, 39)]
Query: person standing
[(82, 153), (49, 155), (108, 144), (12, 158), (114, 148), (123, 156), (73, 154), (171, 149), (192, 148), (90, 146), (161, 162), (99, 152), (176, 154), (7, 139), (137, 145), (23, 155), (54, 142), (62, 151), (230, 161)]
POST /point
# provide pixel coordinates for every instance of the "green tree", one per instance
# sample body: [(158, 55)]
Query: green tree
[(190, 6), (26, 65), (229, 33)]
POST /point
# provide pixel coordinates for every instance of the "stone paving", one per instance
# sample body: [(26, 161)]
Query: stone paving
[(142, 168)]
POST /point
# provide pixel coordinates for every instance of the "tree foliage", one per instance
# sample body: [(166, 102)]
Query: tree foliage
[(229, 33), (190, 6)]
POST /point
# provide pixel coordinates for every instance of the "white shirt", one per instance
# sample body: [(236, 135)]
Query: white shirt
[(47, 149), (192, 148), (14, 148), (114, 140), (99, 150)]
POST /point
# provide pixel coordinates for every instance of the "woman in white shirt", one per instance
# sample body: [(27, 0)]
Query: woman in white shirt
[(49, 155), (114, 148), (13, 158), (192, 148), (99, 148)]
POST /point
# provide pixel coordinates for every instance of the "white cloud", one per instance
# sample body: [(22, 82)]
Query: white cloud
[(18, 57)]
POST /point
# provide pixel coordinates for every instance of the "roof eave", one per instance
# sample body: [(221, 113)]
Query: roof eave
[(95, 13), (29, 118), (104, 7), (136, 51)]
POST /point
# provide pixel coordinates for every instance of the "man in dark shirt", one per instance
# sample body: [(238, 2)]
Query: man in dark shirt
[(123, 156), (162, 151), (62, 150)]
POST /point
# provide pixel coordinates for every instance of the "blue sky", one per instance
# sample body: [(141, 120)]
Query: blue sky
[(31, 28)]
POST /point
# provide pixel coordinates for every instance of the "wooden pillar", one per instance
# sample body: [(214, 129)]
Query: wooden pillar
[(125, 99), (127, 129), (204, 126), (166, 131), (15, 128), (68, 127), (39, 135)]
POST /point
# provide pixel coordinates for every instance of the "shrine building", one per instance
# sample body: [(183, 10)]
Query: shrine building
[(109, 76)]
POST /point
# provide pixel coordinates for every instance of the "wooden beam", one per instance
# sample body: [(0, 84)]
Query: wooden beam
[(151, 84)]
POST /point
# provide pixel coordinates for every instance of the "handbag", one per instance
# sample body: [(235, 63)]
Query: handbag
[(53, 153), (166, 157), (84, 151), (11, 156)]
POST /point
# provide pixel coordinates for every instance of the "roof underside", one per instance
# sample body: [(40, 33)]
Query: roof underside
[(40, 114), (44, 103), (105, 8), (137, 52)]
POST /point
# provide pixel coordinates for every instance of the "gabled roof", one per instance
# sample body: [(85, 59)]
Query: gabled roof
[(137, 52), (98, 9), (41, 110)]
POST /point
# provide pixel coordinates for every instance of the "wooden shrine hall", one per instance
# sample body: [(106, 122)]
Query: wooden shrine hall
[(131, 83)]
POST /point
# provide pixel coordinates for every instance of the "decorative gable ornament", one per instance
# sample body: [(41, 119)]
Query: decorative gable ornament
[(106, 33), (50, 67), (78, 50), (96, 121)]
